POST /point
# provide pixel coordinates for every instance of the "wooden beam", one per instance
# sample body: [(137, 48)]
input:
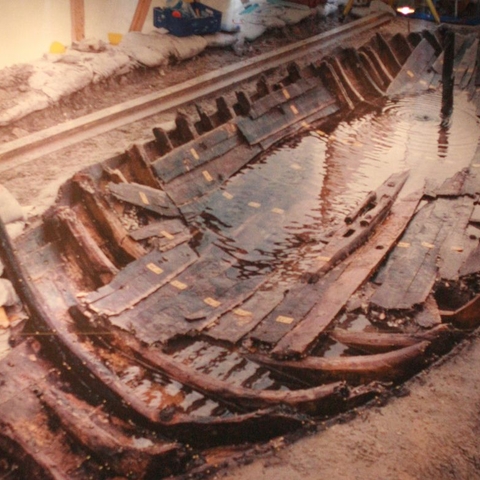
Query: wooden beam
[(140, 15), (77, 13)]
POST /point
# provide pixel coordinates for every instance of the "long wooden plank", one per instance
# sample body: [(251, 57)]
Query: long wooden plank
[(362, 264), (413, 70), (140, 279)]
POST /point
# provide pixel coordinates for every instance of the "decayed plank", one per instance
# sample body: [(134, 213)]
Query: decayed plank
[(234, 325), (412, 269), (276, 98), (363, 262), (457, 245), (197, 153), (465, 61), (395, 365), (26, 432), (291, 112), (162, 228), (440, 337), (467, 316), (139, 279), (94, 261), (347, 239), (201, 181), (453, 186), (150, 199), (97, 433), (314, 399), (413, 70), (193, 301), (109, 224)]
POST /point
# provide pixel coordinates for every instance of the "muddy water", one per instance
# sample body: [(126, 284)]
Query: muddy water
[(273, 215)]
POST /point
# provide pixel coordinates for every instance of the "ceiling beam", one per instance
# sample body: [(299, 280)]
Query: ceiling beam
[(140, 15), (77, 14)]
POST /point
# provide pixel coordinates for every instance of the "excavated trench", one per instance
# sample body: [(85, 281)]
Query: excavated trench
[(262, 266)]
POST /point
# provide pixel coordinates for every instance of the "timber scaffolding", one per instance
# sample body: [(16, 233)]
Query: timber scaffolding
[(150, 352)]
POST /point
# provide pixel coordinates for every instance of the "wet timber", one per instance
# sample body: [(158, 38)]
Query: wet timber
[(158, 330)]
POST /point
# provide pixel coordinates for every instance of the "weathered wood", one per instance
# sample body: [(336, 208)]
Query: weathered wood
[(312, 399), (467, 317), (139, 279), (453, 186), (98, 434), (440, 338), (393, 366), (196, 154), (359, 268), (108, 223), (347, 239), (365, 204), (234, 325), (151, 199), (413, 70), (140, 166), (256, 130), (87, 252)]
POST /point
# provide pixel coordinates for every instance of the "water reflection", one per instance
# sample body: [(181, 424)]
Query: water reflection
[(274, 214)]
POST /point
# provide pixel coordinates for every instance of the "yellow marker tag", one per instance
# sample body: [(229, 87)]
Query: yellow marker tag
[(232, 127), (178, 285), (294, 109), (242, 313), (428, 245), (212, 302), (476, 165), (194, 154), (227, 195), (154, 268), (296, 166), (285, 93), (144, 198), (279, 211), (321, 133), (167, 235), (283, 319), (186, 164), (254, 205), (305, 125), (324, 259), (403, 244), (207, 176), (410, 73), (457, 249), (423, 82)]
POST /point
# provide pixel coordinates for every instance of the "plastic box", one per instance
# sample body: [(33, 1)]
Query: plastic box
[(208, 20)]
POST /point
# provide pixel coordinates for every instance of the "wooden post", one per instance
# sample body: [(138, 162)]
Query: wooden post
[(140, 15), (77, 14), (448, 79)]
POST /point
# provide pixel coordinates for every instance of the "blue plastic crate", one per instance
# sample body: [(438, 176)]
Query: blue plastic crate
[(207, 20)]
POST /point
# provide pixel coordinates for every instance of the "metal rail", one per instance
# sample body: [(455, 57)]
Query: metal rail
[(68, 133)]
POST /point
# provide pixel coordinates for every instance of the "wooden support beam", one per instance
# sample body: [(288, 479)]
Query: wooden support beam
[(77, 13), (140, 15)]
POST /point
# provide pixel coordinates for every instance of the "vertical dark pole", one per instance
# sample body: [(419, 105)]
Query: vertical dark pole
[(447, 74)]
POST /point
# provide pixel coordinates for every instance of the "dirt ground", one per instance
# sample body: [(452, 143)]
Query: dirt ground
[(430, 430)]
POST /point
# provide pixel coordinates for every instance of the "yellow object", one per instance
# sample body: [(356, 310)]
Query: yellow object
[(115, 38), (57, 47)]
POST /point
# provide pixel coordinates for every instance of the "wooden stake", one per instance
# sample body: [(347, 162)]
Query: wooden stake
[(77, 13), (140, 15)]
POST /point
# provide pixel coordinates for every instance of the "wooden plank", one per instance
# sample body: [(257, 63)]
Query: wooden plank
[(361, 265), (140, 15), (291, 112), (413, 69), (283, 95), (163, 228), (201, 181), (196, 153), (453, 186), (139, 279), (457, 245), (234, 325), (465, 60), (77, 14), (151, 199)]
